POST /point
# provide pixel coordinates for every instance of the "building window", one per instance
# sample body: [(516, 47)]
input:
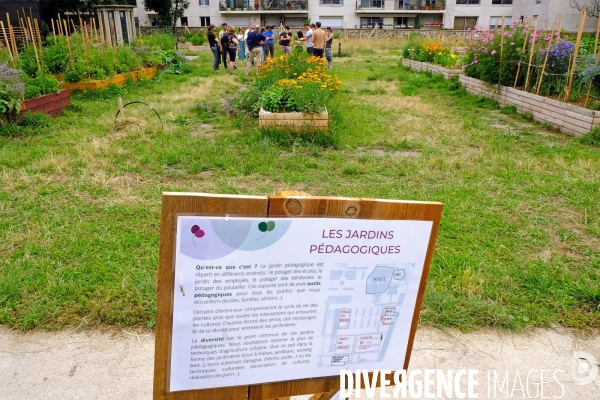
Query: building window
[(496, 22), (333, 2), (204, 21), (154, 21), (467, 2), (372, 3), (370, 22), (184, 21), (538, 1), (203, 2), (464, 23), (502, 2)]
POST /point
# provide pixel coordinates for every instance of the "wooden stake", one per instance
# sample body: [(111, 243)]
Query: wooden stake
[(37, 59), (74, 28), (501, 50), (7, 44), (522, 51), (37, 28), (589, 92), (85, 51), (25, 30), (68, 41), (53, 30), (121, 108), (531, 55), (94, 31), (582, 17), (11, 32), (60, 26), (539, 85)]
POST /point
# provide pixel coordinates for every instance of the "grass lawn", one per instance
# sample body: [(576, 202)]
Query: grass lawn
[(519, 243)]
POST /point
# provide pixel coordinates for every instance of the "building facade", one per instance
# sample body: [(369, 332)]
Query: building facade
[(388, 14)]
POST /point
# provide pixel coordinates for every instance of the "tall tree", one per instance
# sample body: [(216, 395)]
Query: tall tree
[(168, 10), (593, 8)]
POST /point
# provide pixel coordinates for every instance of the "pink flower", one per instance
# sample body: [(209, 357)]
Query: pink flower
[(493, 52)]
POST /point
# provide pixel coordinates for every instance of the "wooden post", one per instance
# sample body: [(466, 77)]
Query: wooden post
[(106, 35), (74, 27), (522, 51), (7, 44), (546, 59), (37, 59), (68, 41), (501, 51), (531, 55), (582, 17), (589, 92)]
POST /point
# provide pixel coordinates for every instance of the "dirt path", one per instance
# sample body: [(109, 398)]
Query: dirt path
[(118, 365)]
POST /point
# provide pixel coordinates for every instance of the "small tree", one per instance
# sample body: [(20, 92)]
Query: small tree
[(593, 9), (168, 10)]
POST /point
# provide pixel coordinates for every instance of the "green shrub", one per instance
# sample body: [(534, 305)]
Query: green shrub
[(56, 58), (28, 62), (592, 138)]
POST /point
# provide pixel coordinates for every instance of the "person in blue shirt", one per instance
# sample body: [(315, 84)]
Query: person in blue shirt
[(254, 41), (269, 44)]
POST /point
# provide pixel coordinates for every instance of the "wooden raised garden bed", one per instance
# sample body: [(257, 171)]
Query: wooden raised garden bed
[(565, 117), (119, 80), (435, 69), (294, 121), (51, 104)]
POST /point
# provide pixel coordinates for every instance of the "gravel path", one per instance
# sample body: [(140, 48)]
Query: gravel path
[(119, 365)]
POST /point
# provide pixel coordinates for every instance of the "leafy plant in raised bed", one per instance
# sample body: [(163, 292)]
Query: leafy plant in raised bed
[(41, 85)]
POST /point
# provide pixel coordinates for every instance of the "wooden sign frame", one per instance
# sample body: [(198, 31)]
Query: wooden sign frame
[(175, 204)]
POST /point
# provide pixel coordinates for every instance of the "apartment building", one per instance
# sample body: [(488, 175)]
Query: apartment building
[(388, 14), (464, 14)]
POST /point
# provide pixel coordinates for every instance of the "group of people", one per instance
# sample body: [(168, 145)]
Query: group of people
[(257, 44)]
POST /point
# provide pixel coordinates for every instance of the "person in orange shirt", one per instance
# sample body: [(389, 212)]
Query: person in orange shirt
[(318, 41)]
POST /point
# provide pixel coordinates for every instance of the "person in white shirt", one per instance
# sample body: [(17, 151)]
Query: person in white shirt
[(250, 29), (307, 38)]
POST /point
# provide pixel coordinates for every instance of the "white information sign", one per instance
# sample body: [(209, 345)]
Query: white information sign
[(273, 299)]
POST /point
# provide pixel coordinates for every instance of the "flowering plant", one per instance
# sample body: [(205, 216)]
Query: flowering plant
[(429, 51), (296, 83), (11, 89), (493, 55)]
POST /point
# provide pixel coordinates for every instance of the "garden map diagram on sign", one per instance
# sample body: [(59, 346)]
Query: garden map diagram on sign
[(362, 311)]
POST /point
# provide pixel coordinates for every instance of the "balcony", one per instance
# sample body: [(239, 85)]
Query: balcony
[(264, 6), (397, 6)]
